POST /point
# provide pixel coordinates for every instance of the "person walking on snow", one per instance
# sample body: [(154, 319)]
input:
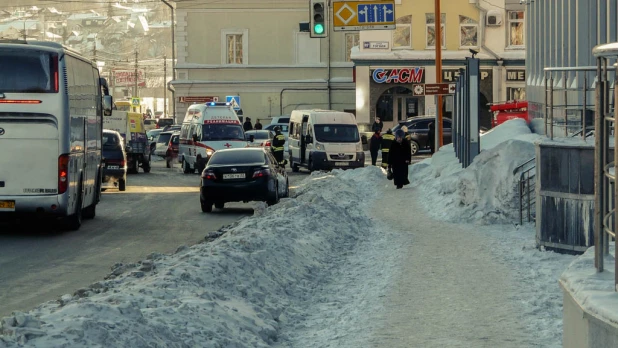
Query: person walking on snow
[(247, 125), (374, 147), (377, 125), (387, 140), (399, 158), (258, 125), (431, 137), (276, 145)]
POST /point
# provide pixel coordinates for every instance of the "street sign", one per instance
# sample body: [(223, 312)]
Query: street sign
[(234, 100), (381, 45), (433, 89), (363, 15), (195, 100), (135, 101)]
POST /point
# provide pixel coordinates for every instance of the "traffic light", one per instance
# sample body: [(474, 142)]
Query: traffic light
[(319, 13)]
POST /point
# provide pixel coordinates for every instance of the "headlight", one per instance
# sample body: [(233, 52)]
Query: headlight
[(319, 147), (359, 147), (209, 153)]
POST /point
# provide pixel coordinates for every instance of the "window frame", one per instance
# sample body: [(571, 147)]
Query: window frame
[(348, 50), (245, 45), (509, 21), (442, 25), (468, 25)]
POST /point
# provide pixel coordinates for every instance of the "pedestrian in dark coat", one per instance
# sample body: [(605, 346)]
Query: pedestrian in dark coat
[(247, 125), (258, 125), (377, 125), (431, 137), (387, 140), (399, 158), (374, 147)]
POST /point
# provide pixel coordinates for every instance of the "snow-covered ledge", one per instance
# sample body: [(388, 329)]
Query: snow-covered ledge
[(590, 303)]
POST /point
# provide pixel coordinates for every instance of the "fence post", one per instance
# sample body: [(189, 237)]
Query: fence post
[(474, 89), (599, 172)]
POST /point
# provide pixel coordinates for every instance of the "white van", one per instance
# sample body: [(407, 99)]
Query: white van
[(323, 140), (207, 128)]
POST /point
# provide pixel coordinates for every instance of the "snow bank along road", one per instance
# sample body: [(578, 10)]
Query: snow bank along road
[(158, 213)]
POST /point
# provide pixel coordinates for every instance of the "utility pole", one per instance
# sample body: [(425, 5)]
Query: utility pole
[(438, 31), (164, 85), (135, 76), (173, 58)]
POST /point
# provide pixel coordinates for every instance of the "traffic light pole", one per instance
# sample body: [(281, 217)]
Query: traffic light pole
[(438, 33)]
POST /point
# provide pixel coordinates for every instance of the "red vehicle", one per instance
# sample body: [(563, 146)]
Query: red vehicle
[(508, 111)]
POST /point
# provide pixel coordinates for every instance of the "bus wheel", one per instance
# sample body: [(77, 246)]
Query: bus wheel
[(74, 222)]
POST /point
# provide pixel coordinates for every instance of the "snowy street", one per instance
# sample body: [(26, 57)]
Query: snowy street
[(348, 261)]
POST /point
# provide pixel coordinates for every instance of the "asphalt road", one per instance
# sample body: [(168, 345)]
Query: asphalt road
[(158, 212)]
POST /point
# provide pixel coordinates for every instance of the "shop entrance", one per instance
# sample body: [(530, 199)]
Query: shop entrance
[(397, 104)]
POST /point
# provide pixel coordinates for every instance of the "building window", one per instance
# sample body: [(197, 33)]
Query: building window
[(234, 46), (468, 32), (516, 29), (307, 49), (402, 35), (516, 93), (430, 22), (351, 40)]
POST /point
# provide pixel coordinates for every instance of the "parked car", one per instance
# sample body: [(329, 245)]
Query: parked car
[(168, 150), (163, 143), (150, 124), (242, 175), (284, 119), (284, 131), (259, 138), (418, 129), (162, 122), (114, 161), (152, 135)]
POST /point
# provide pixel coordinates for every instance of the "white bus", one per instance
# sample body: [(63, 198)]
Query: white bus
[(207, 128), (51, 109)]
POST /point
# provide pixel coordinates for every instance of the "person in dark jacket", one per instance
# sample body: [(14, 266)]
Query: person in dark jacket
[(399, 158), (374, 147), (387, 140), (258, 125), (277, 145), (247, 125), (377, 125), (431, 137)]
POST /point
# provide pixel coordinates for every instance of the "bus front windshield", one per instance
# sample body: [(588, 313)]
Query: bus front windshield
[(222, 131)]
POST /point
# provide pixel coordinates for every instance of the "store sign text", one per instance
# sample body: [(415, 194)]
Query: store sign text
[(404, 75)]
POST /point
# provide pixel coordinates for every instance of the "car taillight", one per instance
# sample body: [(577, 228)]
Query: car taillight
[(261, 173), (267, 143), (208, 175), (63, 173)]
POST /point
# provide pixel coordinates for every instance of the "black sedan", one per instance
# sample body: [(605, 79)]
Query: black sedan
[(115, 161), (242, 175), (418, 130)]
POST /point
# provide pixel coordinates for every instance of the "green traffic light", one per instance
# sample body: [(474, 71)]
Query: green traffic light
[(318, 28)]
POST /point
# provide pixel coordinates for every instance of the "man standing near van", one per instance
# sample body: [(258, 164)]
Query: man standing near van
[(247, 125), (276, 145)]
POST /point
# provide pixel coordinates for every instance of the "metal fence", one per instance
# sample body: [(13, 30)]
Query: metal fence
[(605, 224), (526, 189), (466, 137)]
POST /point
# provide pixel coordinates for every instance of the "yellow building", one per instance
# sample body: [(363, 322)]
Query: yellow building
[(389, 63)]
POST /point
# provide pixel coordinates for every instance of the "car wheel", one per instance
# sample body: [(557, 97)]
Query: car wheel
[(199, 165), (219, 205), (206, 206), (275, 199), (146, 166), (168, 163), (310, 166), (287, 188), (186, 168), (413, 147), (122, 184), (134, 167), (295, 167)]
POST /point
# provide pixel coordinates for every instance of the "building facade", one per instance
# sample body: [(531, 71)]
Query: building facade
[(258, 53), (389, 63)]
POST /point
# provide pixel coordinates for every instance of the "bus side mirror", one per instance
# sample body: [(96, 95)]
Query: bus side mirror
[(108, 102), (194, 137)]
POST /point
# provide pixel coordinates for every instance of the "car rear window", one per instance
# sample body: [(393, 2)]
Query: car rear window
[(28, 71), (175, 140), (283, 120), (148, 122), (239, 157), (165, 122), (258, 135), (164, 138), (110, 141)]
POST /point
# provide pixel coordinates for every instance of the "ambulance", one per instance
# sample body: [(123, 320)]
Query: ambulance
[(207, 128)]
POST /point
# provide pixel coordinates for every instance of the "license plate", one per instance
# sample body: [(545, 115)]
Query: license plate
[(233, 176), (341, 164), (113, 167), (7, 205)]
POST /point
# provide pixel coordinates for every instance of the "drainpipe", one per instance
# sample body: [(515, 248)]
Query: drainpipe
[(483, 16)]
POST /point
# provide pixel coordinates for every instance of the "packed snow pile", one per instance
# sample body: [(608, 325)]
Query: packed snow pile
[(486, 191), (234, 290)]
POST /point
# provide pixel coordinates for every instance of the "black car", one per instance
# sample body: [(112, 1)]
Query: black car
[(114, 161), (418, 130), (162, 122), (242, 175)]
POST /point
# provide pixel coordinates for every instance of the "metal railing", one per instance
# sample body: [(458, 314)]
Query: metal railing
[(569, 102), (605, 222), (526, 189)]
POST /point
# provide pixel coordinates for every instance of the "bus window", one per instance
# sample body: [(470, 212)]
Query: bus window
[(28, 71)]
